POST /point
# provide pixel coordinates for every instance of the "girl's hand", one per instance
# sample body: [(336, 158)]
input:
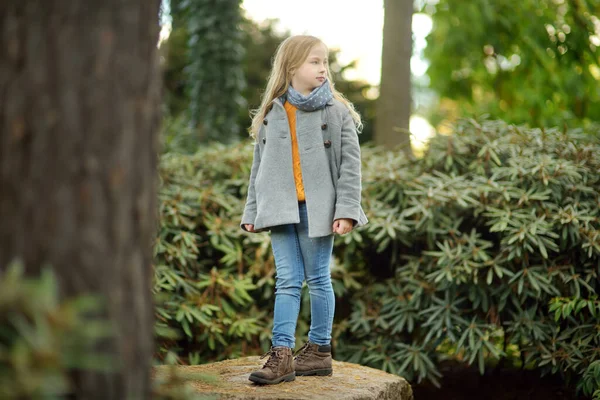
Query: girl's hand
[(342, 225), (249, 227)]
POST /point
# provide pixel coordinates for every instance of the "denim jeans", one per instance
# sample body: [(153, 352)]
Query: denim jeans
[(298, 257)]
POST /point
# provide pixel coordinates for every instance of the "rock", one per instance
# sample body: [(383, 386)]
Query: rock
[(349, 382)]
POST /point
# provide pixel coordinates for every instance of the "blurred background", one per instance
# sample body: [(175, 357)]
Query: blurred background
[(525, 62)]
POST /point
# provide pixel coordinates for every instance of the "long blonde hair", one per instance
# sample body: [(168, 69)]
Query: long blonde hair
[(290, 55)]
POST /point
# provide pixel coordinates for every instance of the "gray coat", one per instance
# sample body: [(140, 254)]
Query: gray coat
[(331, 170)]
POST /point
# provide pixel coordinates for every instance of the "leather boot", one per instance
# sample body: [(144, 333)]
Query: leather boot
[(278, 368), (313, 359)]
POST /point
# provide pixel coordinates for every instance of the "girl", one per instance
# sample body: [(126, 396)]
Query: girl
[(305, 186)]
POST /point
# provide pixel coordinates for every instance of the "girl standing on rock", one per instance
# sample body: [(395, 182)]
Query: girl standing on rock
[(305, 186)]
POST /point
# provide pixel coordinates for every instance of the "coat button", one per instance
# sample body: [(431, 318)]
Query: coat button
[(264, 140), (323, 127), (327, 143), (265, 121)]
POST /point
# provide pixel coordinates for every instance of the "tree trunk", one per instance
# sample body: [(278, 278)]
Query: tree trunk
[(394, 103), (79, 116)]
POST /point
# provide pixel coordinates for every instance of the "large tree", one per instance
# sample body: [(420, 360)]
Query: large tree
[(79, 101), (394, 103)]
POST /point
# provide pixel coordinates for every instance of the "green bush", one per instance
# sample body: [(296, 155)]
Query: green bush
[(43, 338), (465, 252), (581, 326), (493, 224)]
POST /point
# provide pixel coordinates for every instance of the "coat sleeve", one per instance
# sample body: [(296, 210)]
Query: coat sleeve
[(250, 208), (349, 186)]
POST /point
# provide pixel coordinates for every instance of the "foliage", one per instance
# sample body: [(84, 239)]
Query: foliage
[(43, 337), (177, 135), (482, 234), (213, 65), (525, 62), (467, 253), (579, 340)]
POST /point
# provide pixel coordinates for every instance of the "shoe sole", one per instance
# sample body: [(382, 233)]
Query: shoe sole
[(316, 372), (285, 378)]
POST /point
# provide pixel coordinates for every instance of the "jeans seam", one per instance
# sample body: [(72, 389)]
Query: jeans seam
[(299, 260), (324, 289)]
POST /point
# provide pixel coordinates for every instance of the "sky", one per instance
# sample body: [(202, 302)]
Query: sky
[(355, 27)]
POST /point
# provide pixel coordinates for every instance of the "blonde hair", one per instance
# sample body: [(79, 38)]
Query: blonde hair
[(290, 55)]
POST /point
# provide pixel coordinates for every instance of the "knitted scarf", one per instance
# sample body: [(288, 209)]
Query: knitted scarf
[(315, 99)]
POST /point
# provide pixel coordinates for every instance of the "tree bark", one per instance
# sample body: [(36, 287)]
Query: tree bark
[(394, 103), (79, 116)]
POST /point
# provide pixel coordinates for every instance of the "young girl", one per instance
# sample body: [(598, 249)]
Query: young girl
[(305, 186)]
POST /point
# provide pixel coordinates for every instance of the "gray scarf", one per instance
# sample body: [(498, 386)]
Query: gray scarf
[(315, 100)]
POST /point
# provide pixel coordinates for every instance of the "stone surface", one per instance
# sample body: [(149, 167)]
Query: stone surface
[(349, 382)]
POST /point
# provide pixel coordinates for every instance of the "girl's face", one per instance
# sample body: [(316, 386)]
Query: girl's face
[(313, 71)]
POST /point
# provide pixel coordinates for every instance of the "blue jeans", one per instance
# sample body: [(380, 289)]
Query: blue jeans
[(298, 257)]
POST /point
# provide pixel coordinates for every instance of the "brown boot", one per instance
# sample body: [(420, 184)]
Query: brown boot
[(278, 368), (313, 359)]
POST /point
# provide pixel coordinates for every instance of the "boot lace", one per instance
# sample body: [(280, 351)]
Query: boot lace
[(275, 357), (301, 353)]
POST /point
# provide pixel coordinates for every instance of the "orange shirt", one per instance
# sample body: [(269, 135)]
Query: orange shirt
[(291, 114)]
